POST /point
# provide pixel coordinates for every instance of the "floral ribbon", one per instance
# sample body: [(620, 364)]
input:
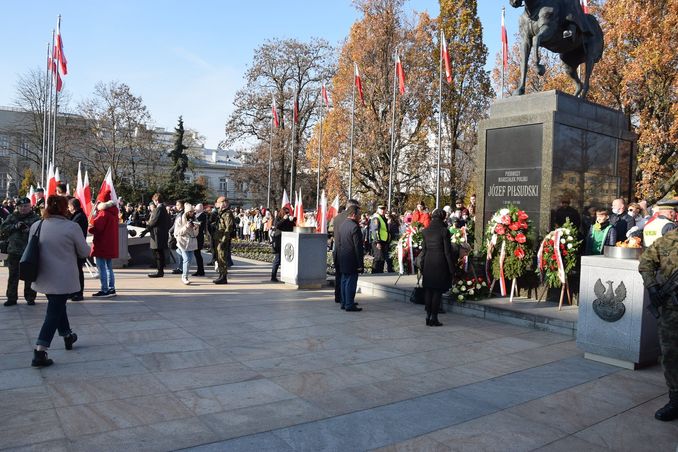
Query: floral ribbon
[(502, 279), (463, 234), (559, 258)]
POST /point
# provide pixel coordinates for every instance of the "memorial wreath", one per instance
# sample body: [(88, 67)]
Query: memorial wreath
[(558, 254)]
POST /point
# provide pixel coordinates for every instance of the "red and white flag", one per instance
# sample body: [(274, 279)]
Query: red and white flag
[(286, 201), (333, 210), (86, 195), (51, 182), (52, 63), (504, 40), (445, 56), (299, 211), (323, 92), (321, 215), (358, 83), (31, 196), (107, 190), (585, 6), (401, 74), (59, 49), (78, 187), (274, 111), (57, 176)]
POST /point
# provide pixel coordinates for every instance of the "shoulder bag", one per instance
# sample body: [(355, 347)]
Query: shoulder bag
[(29, 263)]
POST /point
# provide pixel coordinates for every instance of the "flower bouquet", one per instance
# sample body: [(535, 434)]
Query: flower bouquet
[(508, 246), (409, 247), (557, 257), (469, 289)]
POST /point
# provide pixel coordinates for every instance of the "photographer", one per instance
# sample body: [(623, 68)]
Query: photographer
[(186, 232), (15, 232)]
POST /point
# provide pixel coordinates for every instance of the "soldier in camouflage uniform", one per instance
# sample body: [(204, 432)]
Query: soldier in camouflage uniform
[(15, 231), (661, 259), (223, 232)]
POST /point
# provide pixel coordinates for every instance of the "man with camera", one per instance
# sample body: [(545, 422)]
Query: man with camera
[(15, 232)]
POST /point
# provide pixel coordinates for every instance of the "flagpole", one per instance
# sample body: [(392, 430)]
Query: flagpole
[(350, 158), (440, 118), (49, 114), (294, 124), (390, 165), (320, 155), (56, 100), (45, 114), (503, 50), (270, 163)]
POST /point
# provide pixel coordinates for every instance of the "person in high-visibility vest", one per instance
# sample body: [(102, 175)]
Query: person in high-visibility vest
[(379, 237), (661, 222)]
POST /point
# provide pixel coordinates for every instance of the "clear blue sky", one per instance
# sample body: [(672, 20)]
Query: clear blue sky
[(183, 58)]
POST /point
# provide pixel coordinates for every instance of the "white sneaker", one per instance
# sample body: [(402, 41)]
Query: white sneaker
[(185, 281)]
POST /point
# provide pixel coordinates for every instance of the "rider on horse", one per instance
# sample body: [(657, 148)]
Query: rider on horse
[(575, 19)]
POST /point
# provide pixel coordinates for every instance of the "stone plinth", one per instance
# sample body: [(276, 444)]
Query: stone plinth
[(304, 259), (629, 340)]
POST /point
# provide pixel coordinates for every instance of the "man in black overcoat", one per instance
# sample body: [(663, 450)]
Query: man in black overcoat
[(78, 216), (158, 225), (350, 255), (338, 221)]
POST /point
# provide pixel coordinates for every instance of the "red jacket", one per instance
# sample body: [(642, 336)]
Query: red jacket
[(104, 228), (421, 217)]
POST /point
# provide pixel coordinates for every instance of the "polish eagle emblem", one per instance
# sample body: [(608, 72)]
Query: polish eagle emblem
[(608, 304)]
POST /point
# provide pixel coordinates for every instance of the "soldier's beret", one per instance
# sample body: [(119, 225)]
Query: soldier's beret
[(22, 201), (669, 204)]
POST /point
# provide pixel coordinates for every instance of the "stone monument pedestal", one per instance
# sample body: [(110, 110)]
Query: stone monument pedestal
[(624, 336), (304, 259)]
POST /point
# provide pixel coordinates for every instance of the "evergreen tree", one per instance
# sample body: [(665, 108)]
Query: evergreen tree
[(178, 154)]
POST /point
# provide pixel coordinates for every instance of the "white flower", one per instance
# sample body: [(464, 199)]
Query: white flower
[(569, 246), (496, 219), (503, 212), (462, 240), (463, 288), (470, 292), (469, 283), (455, 290), (562, 241), (566, 231), (460, 297), (484, 284), (478, 286), (569, 238)]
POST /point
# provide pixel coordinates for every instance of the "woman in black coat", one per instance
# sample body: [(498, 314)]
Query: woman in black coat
[(281, 224), (437, 264)]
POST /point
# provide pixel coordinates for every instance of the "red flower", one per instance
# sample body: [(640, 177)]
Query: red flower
[(522, 215), (519, 253), (520, 238), (523, 224), (510, 238), (564, 253), (514, 226), (505, 219), (500, 229)]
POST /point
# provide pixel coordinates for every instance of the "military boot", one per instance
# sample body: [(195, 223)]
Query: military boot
[(222, 279), (669, 411)]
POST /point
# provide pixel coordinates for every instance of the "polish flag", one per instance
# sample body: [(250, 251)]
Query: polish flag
[(401, 74), (585, 6), (286, 201), (68, 189), (57, 177), (446, 56), (333, 211), (107, 190), (31, 196), (323, 92), (86, 195), (274, 111), (51, 182), (59, 49), (321, 215), (299, 211), (52, 66), (79, 187), (358, 83), (504, 39)]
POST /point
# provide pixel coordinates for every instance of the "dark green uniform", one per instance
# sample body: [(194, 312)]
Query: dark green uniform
[(223, 232), (661, 259), (15, 231)]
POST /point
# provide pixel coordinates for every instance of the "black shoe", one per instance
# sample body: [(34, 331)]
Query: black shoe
[(40, 359), (221, 280), (77, 297), (668, 412), (30, 302), (69, 340), (102, 294), (177, 271), (198, 274), (343, 308), (155, 275), (9, 303), (111, 293), (434, 322), (274, 279), (353, 309)]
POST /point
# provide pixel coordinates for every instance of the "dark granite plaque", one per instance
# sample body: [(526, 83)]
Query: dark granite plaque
[(513, 170)]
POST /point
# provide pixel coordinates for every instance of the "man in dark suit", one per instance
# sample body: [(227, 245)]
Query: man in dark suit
[(201, 217), (158, 225), (620, 218), (350, 257), (79, 217), (338, 221)]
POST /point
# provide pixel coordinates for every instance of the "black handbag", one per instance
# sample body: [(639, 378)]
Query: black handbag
[(417, 295), (29, 263)]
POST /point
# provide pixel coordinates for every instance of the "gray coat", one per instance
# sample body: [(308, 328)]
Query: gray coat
[(61, 244)]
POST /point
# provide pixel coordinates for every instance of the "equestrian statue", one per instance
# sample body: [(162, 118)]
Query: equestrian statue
[(561, 27)]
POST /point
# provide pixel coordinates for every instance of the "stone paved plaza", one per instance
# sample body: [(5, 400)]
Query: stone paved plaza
[(262, 367)]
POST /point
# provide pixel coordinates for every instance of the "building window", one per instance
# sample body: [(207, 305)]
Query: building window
[(4, 145), (223, 184)]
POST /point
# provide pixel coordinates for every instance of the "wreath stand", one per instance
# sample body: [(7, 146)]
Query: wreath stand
[(514, 289), (565, 289)]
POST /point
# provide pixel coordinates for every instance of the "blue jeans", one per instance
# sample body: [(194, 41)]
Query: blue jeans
[(55, 319), (105, 267), (186, 258), (349, 284)]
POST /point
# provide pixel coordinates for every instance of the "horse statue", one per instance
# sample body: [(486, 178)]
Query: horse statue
[(561, 27)]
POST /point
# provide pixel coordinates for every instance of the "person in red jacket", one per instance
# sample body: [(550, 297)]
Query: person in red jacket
[(104, 229), (421, 215)]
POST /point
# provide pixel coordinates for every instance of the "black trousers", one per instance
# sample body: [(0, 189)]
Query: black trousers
[(81, 276), (276, 265), (159, 260), (198, 260), (432, 298)]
